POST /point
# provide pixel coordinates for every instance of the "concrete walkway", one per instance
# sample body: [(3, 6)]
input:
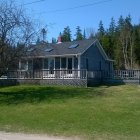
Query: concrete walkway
[(18, 136)]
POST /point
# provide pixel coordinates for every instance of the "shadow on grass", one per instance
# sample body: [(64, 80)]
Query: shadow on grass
[(36, 94)]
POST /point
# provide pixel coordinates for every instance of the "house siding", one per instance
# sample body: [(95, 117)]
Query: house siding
[(92, 60)]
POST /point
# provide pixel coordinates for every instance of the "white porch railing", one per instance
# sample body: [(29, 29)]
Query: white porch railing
[(73, 74), (122, 74), (48, 74)]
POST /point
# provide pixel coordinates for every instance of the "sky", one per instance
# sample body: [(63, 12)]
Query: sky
[(57, 14)]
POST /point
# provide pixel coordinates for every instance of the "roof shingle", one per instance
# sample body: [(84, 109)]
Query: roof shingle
[(60, 49)]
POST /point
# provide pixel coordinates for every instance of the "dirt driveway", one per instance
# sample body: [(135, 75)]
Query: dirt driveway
[(18, 136)]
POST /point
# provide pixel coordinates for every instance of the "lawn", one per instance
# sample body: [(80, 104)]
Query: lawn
[(100, 113)]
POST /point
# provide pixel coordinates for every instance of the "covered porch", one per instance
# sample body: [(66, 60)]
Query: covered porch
[(51, 67)]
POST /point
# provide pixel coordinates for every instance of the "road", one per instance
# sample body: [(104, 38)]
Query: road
[(19, 136)]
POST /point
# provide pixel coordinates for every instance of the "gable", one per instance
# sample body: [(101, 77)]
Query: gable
[(97, 44)]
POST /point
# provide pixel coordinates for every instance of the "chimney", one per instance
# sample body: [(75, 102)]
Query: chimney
[(59, 40)]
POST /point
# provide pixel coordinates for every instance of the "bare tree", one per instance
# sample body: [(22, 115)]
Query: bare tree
[(127, 43), (90, 32), (16, 31)]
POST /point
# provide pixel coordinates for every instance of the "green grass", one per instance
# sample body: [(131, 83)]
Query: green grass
[(100, 113)]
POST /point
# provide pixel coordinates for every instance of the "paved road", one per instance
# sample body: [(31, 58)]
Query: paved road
[(18, 136)]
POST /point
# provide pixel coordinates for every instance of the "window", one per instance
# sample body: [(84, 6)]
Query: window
[(73, 46), (46, 63), (63, 63), (69, 63), (31, 49), (51, 65), (75, 62), (23, 65), (57, 63), (30, 65), (48, 50), (37, 64)]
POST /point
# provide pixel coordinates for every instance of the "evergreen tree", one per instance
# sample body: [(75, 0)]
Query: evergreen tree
[(84, 34), (112, 38), (112, 27), (38, 40), (121, 23), (54, 40), (120, 41), (66, 36), (118, 53), (78, 34), (101, 30), (43, 34)]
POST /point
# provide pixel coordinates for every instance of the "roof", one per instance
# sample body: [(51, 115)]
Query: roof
[(63, 49)]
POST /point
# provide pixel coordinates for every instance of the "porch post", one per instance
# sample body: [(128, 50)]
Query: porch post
[(72, 63), (26, 64), (54, 68), (42, 68), (60, 68), (79, 62), (42, 63), (19, 65), (79, 65)]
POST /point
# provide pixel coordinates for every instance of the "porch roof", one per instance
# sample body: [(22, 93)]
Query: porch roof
[(62, 49)]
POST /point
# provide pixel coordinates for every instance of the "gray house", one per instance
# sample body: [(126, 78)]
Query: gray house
[(68, 60)]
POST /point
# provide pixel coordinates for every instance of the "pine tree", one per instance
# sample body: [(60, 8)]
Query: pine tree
[(43, 34), (54, 40), (84, 34), (112, 27), (121, 23), (78, 34), (66, 36), (101, 30), (38, 40), (111, 38)]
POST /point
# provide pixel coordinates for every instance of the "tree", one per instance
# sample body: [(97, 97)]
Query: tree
[(78, 34), (84, 34), (54, 40), (66, 35), (111, 34), (90, 32), (38, 41), (136, 36), (121, 23), (125, 38), (112, 27), (15, 28), (43, 34), (101, 30)]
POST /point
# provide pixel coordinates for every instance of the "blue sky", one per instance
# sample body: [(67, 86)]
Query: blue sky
[(86, 17)]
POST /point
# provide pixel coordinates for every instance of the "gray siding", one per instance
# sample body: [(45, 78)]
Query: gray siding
[(94, 59)]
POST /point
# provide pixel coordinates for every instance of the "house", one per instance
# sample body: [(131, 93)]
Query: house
[(67, 60)]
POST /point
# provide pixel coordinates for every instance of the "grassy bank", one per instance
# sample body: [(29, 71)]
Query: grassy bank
[(104, 112)]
